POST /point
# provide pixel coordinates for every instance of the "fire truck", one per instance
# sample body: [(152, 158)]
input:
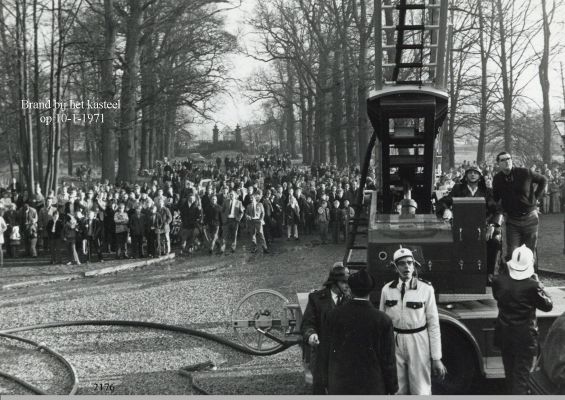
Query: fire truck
[(407, 110)]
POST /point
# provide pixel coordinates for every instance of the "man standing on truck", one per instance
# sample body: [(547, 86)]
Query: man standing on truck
[(410, 303), (514, 188), (320, 303), (518, 294)]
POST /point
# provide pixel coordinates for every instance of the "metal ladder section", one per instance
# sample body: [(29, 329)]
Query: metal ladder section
[(357, 243), (358, 239), (419, 51)]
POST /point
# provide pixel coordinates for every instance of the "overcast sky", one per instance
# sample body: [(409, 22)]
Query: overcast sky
[(237, 110)]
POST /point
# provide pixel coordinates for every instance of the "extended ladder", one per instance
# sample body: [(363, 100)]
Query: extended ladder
[(415, 46)]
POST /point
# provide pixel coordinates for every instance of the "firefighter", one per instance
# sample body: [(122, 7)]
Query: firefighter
[(518, 294), (410, 303)]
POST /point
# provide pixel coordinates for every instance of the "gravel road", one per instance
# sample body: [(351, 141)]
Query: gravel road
[(198, 292)]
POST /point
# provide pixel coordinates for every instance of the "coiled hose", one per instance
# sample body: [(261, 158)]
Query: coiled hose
[(136, 324), (63, 360)]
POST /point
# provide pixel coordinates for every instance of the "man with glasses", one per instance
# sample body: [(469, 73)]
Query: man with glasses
[(514, 188), (410, 303)]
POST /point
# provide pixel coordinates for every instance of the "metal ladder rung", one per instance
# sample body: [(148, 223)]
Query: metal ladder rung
[(423, 83), (410, 65), (409, 6), (409, 27), (408, 46)]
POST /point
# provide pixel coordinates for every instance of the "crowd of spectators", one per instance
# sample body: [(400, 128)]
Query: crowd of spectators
[(181, 204), (198, 207)]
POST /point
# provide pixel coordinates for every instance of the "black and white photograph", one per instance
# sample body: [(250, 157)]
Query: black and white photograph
[(282, 197)]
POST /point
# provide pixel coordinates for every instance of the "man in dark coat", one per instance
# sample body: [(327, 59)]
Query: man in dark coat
[(54, 230), (359, 354), (93, 229), (320, 303), (153, 225), (137, 230), (518, 294), (191, 217)]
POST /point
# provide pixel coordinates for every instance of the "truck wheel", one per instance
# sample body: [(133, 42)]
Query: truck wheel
[(460, 360)]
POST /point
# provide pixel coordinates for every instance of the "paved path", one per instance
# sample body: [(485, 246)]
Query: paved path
[(22, 272)]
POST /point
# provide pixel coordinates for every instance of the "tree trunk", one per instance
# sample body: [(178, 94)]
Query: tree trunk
[(127, 150), (38, 137), (483, 113), (148, 90), (70, 146), (48, 180), (108, 91), (338, 142), (349, 106), (59, 71), (506, 90), (544, 82), (320, 134), (289, 110), (303, 123), (310, 127), (362, 87)]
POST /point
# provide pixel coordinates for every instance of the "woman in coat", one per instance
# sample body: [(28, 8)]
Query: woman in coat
[(69, 236), (292, 216)]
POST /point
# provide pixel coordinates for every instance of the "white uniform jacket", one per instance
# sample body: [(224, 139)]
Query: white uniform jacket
[(418, 309)]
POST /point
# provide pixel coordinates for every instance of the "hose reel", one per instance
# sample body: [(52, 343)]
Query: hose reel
[(264, 320)]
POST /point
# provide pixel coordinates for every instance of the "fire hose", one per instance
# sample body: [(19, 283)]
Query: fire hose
[(139, 324)]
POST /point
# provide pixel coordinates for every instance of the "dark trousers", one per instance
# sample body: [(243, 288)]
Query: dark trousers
[(55, 250), (94, 247), (153, 244), (523, 230), (493, 248), (122, 244), (230, 233), (334, 229), (319, 384), (324, 226), (137, 245), (110, 240), (517, 370)]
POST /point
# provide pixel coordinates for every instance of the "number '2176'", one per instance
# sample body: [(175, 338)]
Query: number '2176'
[(104, 387)]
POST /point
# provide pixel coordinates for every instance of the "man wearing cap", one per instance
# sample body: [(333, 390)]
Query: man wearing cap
[(410, 303), (514, 188), (518, 294), (473, 185), (320, 303), (359, 345)]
